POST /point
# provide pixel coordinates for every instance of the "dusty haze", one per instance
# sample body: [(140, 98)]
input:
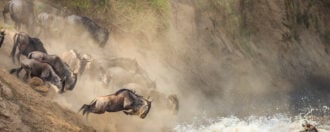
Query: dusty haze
[(242, 58)]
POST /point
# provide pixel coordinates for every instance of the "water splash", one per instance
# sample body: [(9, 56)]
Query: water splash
[(276, 123)]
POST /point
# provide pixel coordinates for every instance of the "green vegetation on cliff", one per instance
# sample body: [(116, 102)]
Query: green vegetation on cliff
[(122, 15)]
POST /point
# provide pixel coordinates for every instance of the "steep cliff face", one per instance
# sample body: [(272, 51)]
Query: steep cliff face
[(263, 56), (221, 57)]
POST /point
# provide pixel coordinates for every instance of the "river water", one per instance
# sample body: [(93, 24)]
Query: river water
[(276, 123)]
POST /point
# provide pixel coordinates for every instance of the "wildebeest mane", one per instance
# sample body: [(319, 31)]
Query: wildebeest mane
[(125, 89), (37, 45)]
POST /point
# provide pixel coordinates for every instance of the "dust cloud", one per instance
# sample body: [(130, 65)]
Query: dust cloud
[(209, 79)]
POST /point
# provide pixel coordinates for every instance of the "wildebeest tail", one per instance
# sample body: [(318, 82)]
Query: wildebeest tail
[(88, 108), (13, 51)]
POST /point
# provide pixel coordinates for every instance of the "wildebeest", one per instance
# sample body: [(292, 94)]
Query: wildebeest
[(76, 62), (123, 100), (309, 127), (61, 69), (2, 37), (34, 68), (21, 12), (99, 34), (45, 20), (49, 24), (25, 45)]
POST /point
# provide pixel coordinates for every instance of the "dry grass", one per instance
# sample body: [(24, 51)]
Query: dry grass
[(136, 17)]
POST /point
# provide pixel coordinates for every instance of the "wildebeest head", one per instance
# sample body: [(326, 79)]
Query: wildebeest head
[(70, 82), (145, 108), (2, 37)]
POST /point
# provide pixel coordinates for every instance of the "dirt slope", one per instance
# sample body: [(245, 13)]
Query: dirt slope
[(23, 109)]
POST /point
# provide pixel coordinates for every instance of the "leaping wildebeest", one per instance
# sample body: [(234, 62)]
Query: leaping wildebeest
[(62, 70), (25, 45), (123, 100), (21, 12), (99, 34), (2, 37), (34, 68), (77, 62)]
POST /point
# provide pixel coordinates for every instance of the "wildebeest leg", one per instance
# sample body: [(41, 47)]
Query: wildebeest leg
[(27, 75), (18, 57), (62, 88), (2, 37), (17, 70), (18, 26), (13, 51), (5, 11)]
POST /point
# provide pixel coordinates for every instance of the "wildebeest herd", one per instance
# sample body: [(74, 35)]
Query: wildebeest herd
[(22, 13), (51, 68)]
